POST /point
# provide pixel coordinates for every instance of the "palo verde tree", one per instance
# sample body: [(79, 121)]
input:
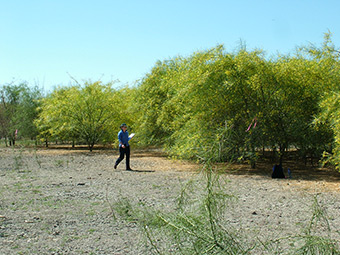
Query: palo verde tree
[(87, 113), (189, 105), (208, 100), (196, 108)]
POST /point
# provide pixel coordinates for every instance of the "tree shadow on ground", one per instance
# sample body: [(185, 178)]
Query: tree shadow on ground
[(299, 171), (264, 167)]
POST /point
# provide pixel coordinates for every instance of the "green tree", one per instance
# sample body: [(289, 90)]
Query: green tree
[(18, 110), (206, 102), (328, 118), (89, 113)]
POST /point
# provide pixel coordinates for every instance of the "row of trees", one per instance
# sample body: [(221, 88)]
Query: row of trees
[(207, 102), (230, 105)]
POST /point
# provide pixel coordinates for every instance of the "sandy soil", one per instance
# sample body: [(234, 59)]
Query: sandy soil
[(60, 201)]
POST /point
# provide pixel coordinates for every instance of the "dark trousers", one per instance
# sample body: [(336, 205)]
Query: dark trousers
[(122, 152)]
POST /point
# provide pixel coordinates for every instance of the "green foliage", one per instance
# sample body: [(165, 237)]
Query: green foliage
[(89, 113), (330, 115), (200, 103), (18, 109), (151, 102), (207, 100), (53, 120)]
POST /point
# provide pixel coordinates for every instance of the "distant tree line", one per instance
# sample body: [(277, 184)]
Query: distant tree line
[(18, 110), (228, 105)]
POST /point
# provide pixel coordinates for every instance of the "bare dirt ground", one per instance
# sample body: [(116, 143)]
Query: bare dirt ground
[(60, 201)]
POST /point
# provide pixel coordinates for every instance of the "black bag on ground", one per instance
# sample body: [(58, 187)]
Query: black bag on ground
[(278, 172)]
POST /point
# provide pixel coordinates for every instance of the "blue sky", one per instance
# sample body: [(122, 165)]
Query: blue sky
[(43, 42)]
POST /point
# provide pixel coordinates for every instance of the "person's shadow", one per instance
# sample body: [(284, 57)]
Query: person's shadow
[(141, 171)]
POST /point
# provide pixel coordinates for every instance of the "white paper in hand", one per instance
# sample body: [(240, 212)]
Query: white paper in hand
[(132, 135)]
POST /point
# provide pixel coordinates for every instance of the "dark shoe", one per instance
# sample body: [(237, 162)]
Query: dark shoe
[(129, 169), (115, 167)]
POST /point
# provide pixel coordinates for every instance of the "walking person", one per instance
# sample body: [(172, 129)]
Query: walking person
[(124, 147)]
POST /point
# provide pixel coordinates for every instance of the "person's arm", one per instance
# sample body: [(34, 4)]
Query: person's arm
[(120, 139)]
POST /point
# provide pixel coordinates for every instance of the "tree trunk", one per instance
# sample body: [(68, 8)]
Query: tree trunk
[(282, 152), (91, 145)]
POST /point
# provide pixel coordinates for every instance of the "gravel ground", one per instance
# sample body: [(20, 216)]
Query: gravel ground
[(61, 201)]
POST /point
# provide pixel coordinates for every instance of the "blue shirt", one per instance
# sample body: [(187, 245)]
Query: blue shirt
[(123, 138)]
